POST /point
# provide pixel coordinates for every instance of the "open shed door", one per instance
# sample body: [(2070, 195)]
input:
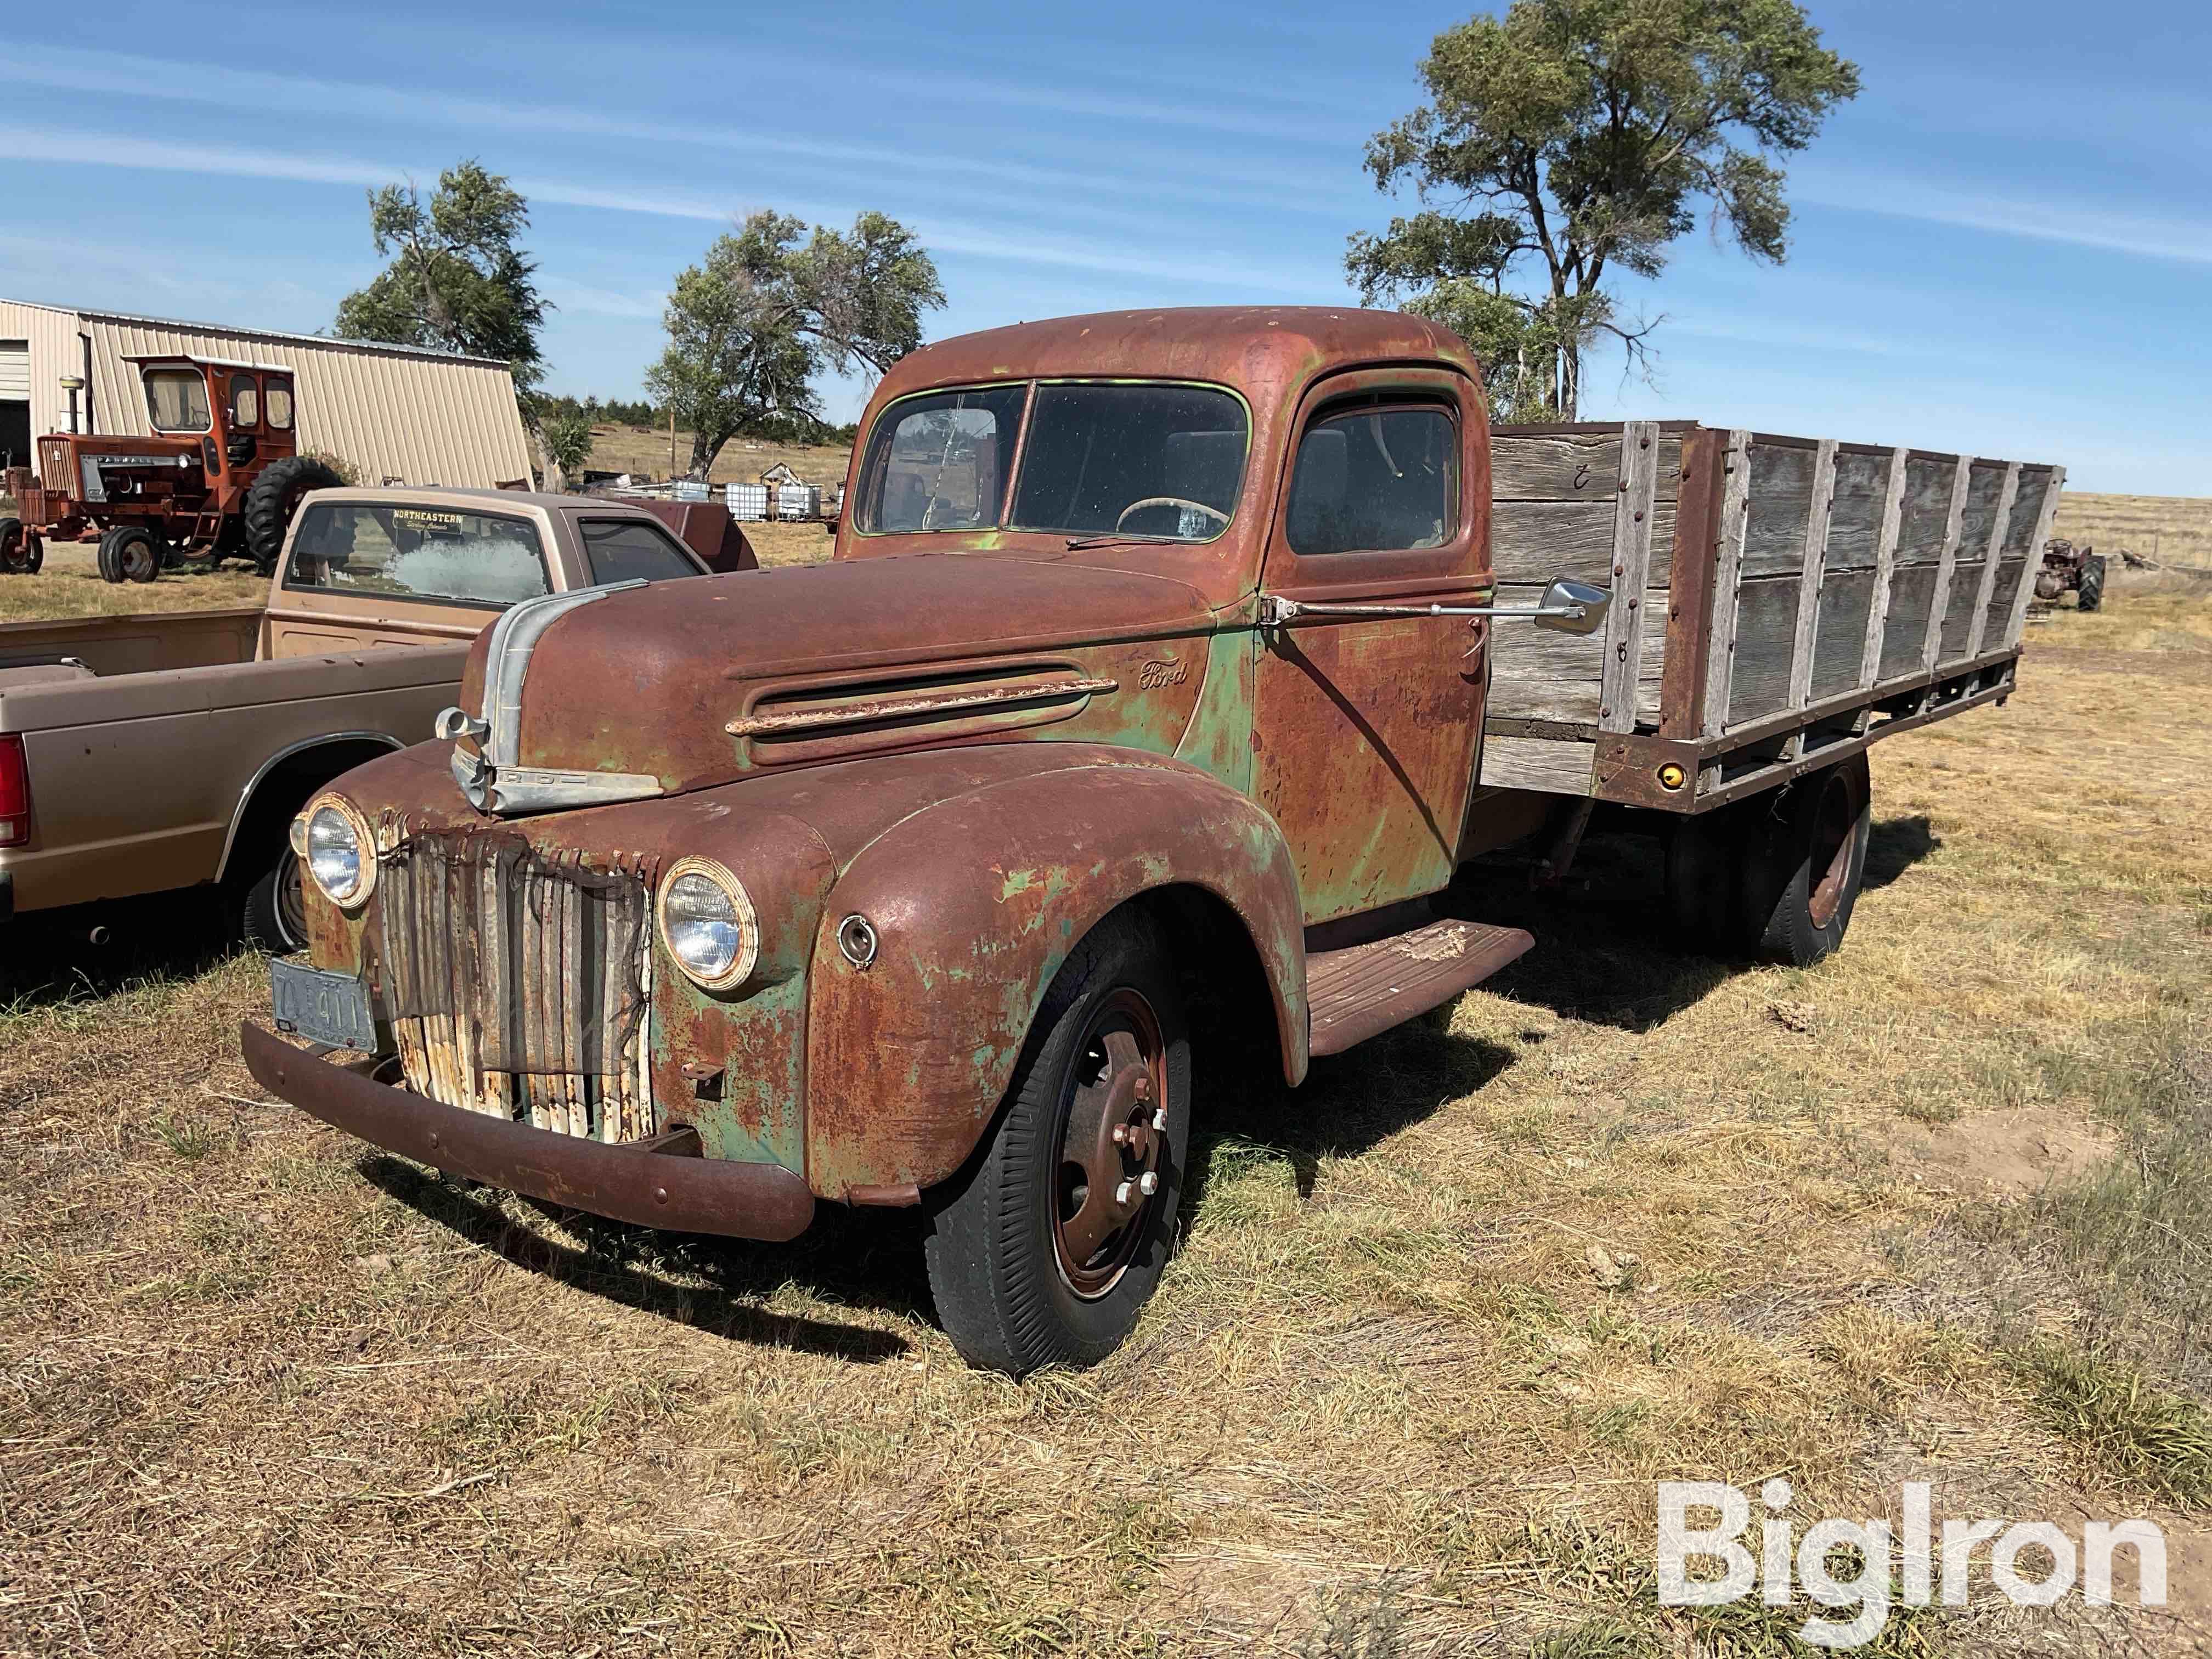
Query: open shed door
[(14, 402)]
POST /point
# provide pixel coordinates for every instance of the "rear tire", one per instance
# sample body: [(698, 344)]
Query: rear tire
[(272, 914), (2093, 583), (1807, 858), (1035, 1258), (272, 500)]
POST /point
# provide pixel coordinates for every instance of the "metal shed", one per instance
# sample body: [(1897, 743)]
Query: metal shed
[(397, 412)]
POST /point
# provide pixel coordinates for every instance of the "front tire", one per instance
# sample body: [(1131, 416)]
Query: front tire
[(272, 912), (1045, 1249), (135, 554)]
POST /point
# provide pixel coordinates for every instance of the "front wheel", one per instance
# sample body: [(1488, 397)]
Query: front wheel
[(272, 913), (1046, 1249)]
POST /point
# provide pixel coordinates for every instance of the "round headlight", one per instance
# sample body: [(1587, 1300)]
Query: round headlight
[(338, 855), (707, 922)]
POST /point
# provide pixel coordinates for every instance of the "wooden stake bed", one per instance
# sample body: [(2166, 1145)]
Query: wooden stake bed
[(1780, 603)]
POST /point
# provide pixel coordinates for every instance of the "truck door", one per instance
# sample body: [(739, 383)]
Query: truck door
[(1366, 729)]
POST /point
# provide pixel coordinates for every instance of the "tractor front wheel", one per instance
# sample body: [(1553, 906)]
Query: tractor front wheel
[(134, 554), (15, 543), (273, 501), (109, 570)]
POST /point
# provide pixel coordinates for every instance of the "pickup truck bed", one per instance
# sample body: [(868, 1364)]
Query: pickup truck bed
[(1783, 603)]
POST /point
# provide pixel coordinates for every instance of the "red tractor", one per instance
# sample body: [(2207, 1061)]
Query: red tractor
[(2066, 567), (219, 478)]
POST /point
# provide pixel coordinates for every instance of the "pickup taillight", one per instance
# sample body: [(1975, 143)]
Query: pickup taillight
[(15, 794)]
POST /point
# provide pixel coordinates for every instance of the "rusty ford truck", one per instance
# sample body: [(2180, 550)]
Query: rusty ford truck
[(141, 754), (1168, 667)]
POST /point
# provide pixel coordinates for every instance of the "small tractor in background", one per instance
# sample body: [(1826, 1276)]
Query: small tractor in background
[(220, 477), (2067, 569)]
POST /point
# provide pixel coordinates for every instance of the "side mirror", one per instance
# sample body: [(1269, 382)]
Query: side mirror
[(1572, 607)]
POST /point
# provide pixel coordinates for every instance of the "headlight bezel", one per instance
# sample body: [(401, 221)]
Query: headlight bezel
[(741, 904), (302, 840)]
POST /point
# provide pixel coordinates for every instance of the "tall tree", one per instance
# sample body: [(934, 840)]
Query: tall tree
[(456, 281), (1577, 137), (753, 325)]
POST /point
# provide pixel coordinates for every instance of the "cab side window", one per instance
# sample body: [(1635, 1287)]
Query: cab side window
[(244, 401), (1375, 480)]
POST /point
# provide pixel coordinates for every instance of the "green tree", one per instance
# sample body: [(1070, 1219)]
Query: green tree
[(564, 440), (1580, 137), (455, 281), (753, 325)]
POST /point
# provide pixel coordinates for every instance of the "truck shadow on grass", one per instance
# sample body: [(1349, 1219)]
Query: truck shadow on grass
[(862, 1259), (1605, 950), (53, 958)]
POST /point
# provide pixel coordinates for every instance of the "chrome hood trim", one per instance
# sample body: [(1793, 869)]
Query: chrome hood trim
[(494, 780)]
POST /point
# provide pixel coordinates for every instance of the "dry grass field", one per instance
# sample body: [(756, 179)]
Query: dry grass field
[(69, 586), (1939, 1209), (642, 449), (2174, 530)]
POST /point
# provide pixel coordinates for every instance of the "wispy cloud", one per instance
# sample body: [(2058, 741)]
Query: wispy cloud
[(122, 74), (2076, 224), (942, 236)]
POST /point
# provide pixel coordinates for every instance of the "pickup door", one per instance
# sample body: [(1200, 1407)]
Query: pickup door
[(1365, 728)]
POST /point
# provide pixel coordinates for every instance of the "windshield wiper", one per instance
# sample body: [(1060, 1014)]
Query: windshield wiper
[(1075, 543)]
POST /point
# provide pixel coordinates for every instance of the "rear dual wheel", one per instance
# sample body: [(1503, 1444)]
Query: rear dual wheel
[(1046, 1249), (1776, 877)]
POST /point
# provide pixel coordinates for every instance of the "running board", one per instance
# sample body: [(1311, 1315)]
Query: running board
[(1362, 991)]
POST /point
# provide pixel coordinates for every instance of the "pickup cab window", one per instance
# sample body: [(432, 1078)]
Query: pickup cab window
[(624, 549), (1375, 480), (357, 547), (176, 400), (1149, 462)]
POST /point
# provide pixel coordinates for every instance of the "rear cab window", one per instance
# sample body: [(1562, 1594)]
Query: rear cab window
[(363, 550), (629, 549), (1375, 480)]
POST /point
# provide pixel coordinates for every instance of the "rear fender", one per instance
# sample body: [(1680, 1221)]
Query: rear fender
[(977, 903)]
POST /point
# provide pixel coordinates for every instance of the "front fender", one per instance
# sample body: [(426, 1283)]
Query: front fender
[(977, 903)]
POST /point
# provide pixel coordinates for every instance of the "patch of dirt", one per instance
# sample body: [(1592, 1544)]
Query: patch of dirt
[(2006, 1153)]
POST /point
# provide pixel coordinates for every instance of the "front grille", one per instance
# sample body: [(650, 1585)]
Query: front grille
[(517, 983)]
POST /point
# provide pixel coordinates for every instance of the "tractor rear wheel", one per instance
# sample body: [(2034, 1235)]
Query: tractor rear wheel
[(273, 499), (134, 553), (2092, 582)]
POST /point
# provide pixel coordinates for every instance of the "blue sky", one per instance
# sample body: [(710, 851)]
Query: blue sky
[(2004, 246)]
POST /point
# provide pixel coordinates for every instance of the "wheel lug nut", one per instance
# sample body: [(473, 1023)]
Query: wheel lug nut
[(1143, 1088), (1122, 1193), (1120, 1134), (1148, 1184), (1160, 1119)]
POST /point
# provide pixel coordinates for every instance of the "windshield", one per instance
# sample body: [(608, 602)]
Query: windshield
[(425, 553), (1148, 462), (177, 399)]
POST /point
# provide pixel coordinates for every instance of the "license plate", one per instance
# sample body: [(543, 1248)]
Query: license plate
[(330, 1008)]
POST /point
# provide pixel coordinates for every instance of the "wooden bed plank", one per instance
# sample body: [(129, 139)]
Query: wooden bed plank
[(1939, 600), (1622, 668), (2018, 621), (1885, 566), (1810, 584), (1557, 766), (2000, 526), (1728, 577)]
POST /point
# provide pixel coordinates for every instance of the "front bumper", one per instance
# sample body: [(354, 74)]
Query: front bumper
[(652, 1189)]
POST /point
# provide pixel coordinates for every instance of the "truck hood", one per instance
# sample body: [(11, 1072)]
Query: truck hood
[(627, 692)]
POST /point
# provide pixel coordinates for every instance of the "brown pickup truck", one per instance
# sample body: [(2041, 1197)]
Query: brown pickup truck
[(1149, 699), (140, 754)]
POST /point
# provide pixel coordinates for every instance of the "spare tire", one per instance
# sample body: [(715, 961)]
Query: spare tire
[(273, 499)]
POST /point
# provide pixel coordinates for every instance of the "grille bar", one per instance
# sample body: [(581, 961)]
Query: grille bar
[(517, 984)]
